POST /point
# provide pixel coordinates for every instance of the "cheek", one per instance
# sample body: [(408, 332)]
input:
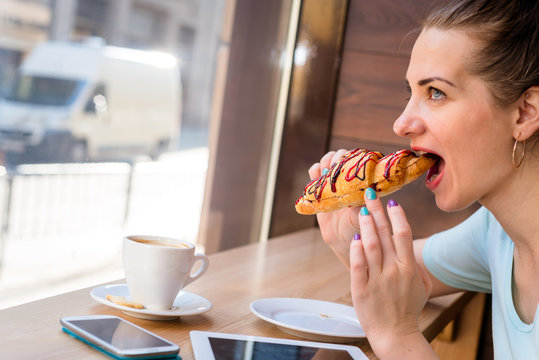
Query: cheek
[(471, 119), (475, 127)]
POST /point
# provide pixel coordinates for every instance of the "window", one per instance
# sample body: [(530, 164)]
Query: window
[(40, 90), (111, 131)]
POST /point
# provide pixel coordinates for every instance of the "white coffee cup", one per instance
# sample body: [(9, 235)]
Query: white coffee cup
[(157, 268)]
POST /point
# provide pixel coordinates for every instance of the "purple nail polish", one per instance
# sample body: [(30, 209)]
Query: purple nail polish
[(392, 203), (357, 237)]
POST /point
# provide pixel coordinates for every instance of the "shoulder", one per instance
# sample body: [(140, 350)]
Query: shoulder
[(460, 256)]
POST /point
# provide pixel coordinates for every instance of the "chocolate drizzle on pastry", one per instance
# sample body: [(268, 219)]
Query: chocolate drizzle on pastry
[(357, 170)]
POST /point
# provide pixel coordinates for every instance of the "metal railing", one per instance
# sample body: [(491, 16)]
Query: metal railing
[(59, 218)]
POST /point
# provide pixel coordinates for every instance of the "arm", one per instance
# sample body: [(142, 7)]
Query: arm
[(439, 288)]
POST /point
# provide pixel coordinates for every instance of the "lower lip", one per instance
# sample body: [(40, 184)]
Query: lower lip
[(432, 185)]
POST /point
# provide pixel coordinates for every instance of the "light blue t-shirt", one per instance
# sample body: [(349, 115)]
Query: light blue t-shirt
[(477, 255)]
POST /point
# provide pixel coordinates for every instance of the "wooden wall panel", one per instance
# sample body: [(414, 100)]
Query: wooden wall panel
[(370, 97), (384, 25)]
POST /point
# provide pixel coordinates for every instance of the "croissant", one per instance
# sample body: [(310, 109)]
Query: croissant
[(345, 183)]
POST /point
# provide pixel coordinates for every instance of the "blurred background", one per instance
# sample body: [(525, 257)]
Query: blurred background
[(104, 116)]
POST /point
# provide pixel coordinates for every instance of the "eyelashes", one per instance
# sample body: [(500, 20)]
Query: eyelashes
[(434, 94)]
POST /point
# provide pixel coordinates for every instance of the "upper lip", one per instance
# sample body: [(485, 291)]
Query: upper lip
[(418, 149)]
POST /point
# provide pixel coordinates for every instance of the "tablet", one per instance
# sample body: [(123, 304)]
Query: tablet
[(219, 346)]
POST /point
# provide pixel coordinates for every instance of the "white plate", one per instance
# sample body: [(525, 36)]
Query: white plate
[(185, 303), (311, 319)]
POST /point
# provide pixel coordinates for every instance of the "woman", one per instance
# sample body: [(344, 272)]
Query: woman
[(474, 101)]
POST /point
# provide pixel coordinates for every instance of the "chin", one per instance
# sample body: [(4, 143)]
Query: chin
[(451, 204)]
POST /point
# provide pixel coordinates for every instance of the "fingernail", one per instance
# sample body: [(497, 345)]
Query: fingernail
[(364, 211), (357, 237), (392, 203), (371, 193), (325, 171)]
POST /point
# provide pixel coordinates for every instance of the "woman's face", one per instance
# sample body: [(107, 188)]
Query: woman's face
[(452, 114)]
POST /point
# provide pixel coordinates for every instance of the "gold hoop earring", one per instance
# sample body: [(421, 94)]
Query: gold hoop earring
[(516, 164)]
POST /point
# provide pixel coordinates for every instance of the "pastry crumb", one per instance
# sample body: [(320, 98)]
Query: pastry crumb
[(121, 300)]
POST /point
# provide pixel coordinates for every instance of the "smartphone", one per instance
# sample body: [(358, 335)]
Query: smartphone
[(119, 338)]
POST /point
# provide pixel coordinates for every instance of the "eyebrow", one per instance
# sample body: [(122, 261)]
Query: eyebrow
[(431, 79)]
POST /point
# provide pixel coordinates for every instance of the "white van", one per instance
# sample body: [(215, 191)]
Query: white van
[(79, 101)]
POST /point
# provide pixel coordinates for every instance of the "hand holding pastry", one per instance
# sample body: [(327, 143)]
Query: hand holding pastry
[(385, 275), (339, 226)]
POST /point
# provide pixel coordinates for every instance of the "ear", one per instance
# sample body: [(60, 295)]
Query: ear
[(528, 121)]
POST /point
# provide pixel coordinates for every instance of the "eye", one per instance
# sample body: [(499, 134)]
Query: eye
[(435, 94)]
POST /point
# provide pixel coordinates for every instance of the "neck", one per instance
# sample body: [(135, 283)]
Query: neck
[(516, 207)]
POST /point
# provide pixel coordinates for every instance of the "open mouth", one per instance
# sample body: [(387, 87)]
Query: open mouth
[(436, 169)]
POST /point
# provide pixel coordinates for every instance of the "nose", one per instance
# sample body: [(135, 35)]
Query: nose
[(409, 123)]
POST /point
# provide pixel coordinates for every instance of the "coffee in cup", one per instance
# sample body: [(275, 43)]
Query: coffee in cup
[(160, 242), (157, 268)]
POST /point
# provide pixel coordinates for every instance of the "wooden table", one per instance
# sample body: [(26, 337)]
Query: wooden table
[(298, 265)]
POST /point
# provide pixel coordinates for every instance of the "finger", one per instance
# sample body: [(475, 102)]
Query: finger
[(337, 156), (371, 243), (325, 162), (314, 171), (358, 262), (402, 233), (383, 228)]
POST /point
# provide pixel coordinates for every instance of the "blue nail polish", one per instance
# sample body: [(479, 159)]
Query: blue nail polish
[(364, 211), (357, 237), (392, 203), (325, 171), (371, 194)]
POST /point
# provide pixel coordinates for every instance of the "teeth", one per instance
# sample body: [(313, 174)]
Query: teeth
[(420, 153), (432, 173), (431, 178)]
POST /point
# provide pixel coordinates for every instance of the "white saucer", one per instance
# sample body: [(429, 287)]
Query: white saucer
[(311, 319), (185, 304)]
